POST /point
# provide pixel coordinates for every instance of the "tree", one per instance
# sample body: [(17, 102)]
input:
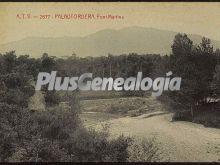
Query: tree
[(48, 63), (51, 135), (195, 64), (182, 45), (215, 84)]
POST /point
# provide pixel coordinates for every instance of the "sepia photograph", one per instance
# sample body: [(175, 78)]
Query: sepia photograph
[(109, 82)]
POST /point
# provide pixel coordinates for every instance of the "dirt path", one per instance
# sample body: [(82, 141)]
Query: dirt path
[(178, 141)]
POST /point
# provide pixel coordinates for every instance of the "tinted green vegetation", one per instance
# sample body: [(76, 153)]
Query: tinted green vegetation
[(51, 135), (58, 135)]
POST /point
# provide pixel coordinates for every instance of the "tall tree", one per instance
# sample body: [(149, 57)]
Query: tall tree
[(195, 64)]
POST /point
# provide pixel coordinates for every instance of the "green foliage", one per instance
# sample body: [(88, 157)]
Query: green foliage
[(52, 98), (215, 84), (95, 146), (59, 136), (143, 150), (195, 65), (54, 135), (48, 63)]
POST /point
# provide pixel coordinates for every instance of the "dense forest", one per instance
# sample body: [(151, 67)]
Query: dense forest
[(55, 135)]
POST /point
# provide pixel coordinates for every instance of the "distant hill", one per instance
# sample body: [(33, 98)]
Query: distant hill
[(127, 40)]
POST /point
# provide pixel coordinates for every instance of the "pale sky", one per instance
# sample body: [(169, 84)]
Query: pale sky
[(195, 18)]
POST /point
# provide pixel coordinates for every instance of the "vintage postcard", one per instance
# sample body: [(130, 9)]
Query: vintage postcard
[(109, 82)]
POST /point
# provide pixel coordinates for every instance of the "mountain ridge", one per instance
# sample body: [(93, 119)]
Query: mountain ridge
[(133, 39)]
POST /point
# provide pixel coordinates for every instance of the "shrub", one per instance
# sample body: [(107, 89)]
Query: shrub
[(182, 116), (93, 146), (54, 136), (52, 98), (143, 150)]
